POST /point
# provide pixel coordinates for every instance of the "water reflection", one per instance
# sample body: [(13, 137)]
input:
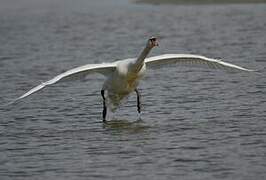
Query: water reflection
[(124, 125)]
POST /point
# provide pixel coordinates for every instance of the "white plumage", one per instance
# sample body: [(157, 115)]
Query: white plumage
[(122, 77)]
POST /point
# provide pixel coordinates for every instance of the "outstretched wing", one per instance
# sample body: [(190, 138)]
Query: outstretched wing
[(189, 59), (76, 73)]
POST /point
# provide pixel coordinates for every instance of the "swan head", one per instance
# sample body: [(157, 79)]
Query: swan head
[(152, 42)]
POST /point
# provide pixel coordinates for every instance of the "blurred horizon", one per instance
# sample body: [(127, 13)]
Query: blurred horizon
[(199, 1)]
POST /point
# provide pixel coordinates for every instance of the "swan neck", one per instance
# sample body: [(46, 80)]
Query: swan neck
[(140, 60)]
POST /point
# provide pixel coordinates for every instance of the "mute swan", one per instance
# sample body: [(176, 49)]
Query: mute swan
[(123, 76)]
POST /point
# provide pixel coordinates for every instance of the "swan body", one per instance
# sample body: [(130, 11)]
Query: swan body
[(122, 77)]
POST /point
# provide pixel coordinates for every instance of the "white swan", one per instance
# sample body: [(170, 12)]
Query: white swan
[(123, 76)]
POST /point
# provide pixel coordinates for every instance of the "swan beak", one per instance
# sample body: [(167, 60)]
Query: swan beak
[(155, 43)]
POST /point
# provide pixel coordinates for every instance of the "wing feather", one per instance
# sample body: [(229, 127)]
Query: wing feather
[(76, 73), (191, 60)]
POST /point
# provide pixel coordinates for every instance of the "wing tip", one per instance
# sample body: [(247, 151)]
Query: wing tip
[(249, 70), (259, 72), (7, 105), (10, 103)]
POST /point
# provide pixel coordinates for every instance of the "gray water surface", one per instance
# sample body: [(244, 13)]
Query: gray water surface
[(196, 123)]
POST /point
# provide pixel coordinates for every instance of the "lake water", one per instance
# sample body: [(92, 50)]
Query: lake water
[(196, 123)]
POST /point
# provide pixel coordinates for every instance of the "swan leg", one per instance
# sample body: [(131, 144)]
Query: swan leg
[(138, 101), (104, 106)]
